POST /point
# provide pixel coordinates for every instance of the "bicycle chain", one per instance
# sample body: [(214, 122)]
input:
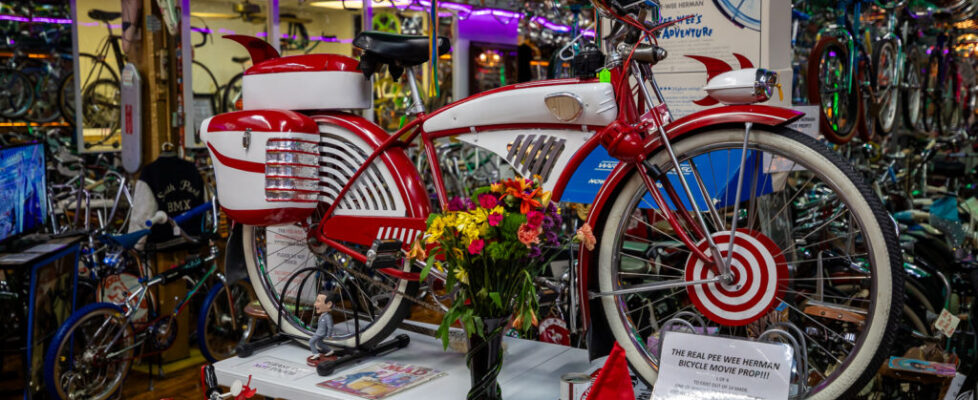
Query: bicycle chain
[(382, 285)]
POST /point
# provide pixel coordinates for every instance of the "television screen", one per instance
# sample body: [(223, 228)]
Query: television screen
[(23, 205)]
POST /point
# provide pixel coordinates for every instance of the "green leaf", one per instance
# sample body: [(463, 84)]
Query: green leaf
[(427, 268), (480, 326), (496, 299), (469, 325)]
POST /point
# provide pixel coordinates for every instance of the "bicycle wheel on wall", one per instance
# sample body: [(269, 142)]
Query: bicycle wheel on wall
[(912, 98), (811, 206), (829, 89), (933, 92), (886, 83), (16, 93)]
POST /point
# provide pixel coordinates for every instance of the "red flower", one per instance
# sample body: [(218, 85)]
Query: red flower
[(488, 201), (534, 219), (495, 219), (476, 246)]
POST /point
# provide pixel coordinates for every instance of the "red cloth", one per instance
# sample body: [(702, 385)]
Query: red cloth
[(613, 382)]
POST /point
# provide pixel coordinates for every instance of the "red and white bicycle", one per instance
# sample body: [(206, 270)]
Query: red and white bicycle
[(701, 214)]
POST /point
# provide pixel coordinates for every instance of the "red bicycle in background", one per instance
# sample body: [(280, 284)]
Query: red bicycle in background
[(725, 213)]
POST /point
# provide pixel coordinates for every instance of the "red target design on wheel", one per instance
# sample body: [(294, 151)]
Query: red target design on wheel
[(759, 273)]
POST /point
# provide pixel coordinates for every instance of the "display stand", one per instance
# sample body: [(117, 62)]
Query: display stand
[(52, 276), (531, 370)]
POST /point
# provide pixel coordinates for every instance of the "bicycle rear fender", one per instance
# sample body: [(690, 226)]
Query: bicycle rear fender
[(759, 115), (364, 223)]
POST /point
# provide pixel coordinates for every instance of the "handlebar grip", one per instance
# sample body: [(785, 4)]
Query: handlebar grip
[(208, 381), (193, 212), (158, 218)]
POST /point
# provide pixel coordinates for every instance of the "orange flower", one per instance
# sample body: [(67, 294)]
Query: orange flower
[(496, 187), (417, 251), (528, 200), (586, 237), (529, 236)]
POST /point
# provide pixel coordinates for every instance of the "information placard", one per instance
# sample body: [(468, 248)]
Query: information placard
[(699, 367)]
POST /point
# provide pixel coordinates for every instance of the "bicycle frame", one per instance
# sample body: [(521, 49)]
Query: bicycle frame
[(135, 298), (656, 122)]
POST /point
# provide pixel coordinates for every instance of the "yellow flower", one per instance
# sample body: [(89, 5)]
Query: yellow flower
[(462, 276), (438, 266), (545, 198), (479, 215), (496, 187)]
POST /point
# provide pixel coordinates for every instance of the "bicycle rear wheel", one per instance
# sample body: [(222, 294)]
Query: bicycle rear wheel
[(223, 324), (811, 220), (90, 354), (273, 254)]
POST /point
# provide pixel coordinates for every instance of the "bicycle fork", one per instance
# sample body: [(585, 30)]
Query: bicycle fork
[(722, 267)]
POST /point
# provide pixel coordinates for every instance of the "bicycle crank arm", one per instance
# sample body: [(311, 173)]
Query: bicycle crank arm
[(651, 287)]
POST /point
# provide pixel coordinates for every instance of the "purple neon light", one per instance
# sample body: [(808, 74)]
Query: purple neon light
[(14, 18), (51, 20)]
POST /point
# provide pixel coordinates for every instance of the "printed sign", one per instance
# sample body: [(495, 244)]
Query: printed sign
[(715, 368), (288, 253), (921, 366), (276, 368), (719, 37), (947, 323)]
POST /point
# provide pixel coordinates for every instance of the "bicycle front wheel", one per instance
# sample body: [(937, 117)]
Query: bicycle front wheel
[(813, 248), (90, 354)]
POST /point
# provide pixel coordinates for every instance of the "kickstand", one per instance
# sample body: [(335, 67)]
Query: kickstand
[(327, 368)]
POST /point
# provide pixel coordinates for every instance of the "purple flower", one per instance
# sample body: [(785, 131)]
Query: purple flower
[(535, 253), (548, 223), (460, 204), (550, 237)]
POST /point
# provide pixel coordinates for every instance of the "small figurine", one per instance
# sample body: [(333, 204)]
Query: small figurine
[(320, 350)]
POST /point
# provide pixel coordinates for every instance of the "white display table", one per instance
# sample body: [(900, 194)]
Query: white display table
[(531, 370)]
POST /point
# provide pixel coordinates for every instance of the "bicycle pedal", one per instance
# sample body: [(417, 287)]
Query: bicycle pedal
[(384, 253)]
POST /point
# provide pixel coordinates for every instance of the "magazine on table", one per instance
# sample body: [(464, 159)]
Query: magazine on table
[(381, 379)]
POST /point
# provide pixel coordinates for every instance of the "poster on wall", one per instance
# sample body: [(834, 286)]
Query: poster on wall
[(719, 36)]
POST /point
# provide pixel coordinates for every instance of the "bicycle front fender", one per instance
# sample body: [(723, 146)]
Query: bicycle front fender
[(758, 115)]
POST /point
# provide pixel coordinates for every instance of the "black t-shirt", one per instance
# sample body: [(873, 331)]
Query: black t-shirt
[(178, 187)]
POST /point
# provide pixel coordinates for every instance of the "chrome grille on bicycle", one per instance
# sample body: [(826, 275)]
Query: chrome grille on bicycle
[(290, 170), (535, 154), (373, 192)]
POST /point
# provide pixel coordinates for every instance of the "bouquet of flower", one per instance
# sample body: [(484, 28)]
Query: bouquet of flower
[(492, 246)]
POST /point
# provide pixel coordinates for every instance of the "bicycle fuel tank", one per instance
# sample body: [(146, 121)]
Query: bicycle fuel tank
[(536, 127), (561, 101)]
